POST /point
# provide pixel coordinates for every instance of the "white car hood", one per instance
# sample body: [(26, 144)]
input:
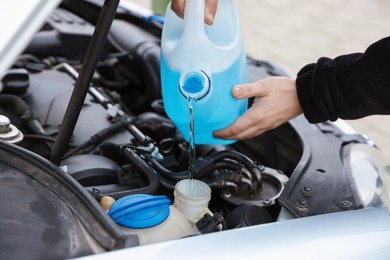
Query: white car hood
[(21, 19)]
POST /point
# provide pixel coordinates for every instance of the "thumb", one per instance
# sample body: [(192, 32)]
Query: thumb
[(248, 90)]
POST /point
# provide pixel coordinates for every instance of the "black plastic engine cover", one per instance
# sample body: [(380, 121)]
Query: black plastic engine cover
[(49, 96)]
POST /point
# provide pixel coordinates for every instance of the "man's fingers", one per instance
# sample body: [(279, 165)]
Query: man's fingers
[(228, 134), (210, 10), (178, 7), (242, 124), (249, 90)]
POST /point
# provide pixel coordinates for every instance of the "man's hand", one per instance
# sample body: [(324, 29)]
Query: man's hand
[(209, 10), (276, 102)]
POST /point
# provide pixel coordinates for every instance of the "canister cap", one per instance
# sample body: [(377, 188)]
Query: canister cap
[(140, 210), (194, 84)]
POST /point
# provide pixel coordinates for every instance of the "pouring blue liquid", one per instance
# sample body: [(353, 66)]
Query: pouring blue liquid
[(215, 110), (204, 63)]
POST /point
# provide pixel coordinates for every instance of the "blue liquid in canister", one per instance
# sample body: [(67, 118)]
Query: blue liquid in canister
[(203, 63), (216, 110)]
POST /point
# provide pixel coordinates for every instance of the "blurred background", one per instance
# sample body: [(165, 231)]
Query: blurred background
[(292, 33)]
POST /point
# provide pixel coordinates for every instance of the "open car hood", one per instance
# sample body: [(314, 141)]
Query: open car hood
[(21, 20)]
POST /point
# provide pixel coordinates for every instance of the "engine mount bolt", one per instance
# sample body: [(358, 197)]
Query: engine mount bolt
[(267, 202), (4, 124), (345, 204), (8, 132), (303, 202)]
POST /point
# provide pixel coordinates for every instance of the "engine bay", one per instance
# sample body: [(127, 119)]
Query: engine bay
[(124, 144)]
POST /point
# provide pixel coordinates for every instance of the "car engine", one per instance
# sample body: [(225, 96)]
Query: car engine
[(122, 143)]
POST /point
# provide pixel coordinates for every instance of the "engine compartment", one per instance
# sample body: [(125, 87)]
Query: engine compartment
[(124, 144)]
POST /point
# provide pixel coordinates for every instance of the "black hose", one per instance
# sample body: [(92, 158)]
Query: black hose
[(164, 172), (222, 160), (44, 138), (152, 177), (208, 162), (223, 184), (133, 157), (248, 182), (98, 138), (27, 116), (169, 185), (83, 81), (178, 176), (222, 165), (113, 85)]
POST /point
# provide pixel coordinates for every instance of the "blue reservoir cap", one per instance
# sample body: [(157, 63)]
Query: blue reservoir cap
[(140, 210)]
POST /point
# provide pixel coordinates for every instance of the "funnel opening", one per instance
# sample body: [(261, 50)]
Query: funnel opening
[(194, 84)]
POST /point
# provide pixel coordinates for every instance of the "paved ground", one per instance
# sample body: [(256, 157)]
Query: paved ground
[(293, 33)]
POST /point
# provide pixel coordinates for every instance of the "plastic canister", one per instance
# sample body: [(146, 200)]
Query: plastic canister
[(150, 217), (202, 62)]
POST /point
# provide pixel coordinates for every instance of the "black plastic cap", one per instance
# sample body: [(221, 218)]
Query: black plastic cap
[(247, 215)]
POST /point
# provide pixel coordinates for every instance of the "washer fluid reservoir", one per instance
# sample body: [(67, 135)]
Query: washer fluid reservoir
[(150, 217)]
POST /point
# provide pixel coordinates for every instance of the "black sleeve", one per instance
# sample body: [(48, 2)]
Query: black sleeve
[(348, 87)]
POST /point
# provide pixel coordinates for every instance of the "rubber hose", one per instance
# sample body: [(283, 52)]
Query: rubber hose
[(208, 162), (150, 174), (26, 114)]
